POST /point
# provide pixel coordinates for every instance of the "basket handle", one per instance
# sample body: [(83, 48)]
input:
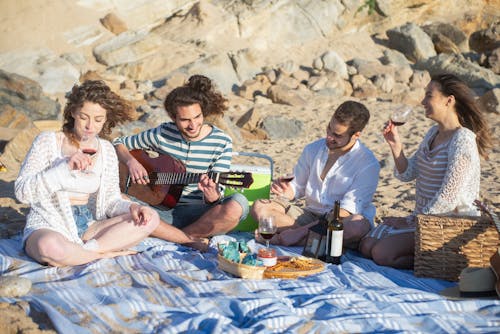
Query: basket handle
[(489, 212)]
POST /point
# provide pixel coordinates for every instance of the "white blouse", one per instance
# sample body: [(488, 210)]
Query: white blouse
[(447, 177)]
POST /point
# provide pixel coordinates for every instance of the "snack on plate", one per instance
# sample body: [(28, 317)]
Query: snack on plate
[(293, 267)]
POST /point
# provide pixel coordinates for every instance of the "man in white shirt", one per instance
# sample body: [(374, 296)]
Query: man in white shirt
[(338, 167)]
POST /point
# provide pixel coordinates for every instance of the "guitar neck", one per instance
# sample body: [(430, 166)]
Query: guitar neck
[(158, 178)]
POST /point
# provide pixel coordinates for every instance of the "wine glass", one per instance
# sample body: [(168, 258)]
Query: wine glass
[(89, 150), (267, 228), (401, 115)]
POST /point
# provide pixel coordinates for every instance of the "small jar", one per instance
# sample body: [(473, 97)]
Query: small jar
[(268, 256)]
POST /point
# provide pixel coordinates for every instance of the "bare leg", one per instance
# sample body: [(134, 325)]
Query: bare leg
[(366, 245), (220, 219), (395, 251), (47, 246), (262, 208), (355, 228), (120, 232), (168, 232)]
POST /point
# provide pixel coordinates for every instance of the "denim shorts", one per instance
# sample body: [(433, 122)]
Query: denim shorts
[(183, 215), (83, 218)]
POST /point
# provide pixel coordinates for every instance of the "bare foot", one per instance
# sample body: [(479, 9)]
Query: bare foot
[(200, 244)]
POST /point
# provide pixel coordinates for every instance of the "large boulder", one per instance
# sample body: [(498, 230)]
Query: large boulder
[(25, 95), (54, 73), (412, 41), (478, 78)]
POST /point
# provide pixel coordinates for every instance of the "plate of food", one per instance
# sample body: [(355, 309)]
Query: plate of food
[(293, 267)]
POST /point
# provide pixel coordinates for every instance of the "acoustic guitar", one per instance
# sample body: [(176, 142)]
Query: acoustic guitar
[(167, 178)]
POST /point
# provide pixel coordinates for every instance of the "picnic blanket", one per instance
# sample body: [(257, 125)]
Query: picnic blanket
[(169, 288)]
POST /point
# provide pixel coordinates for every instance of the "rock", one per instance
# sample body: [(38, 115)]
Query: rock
[(485, 40), (250, 120), (287, 81), (301, 75), (394, 7), (412, 41), (317, 82), (245, 63), (403, 73), (357, 81), (283, 95), (286, 68), (113, 23), (490, 101), (443, 44), (259, 99), (251, 88), (74, 58), (278, 127), (420, 79), (128, 47), (478, 78), (218, 68), (494, 60), (366, 91), (14, 286), (53, 73), (394, 57), (206, 25), (334, 63), (371, 68), (450, 31), (385, 82), (318, 63), (271, 76), (27, 96)]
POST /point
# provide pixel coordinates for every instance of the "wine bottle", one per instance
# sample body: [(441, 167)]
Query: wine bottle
[(334, 236)]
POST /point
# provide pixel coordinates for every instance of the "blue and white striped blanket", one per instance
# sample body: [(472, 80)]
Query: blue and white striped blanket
[(169, 288)]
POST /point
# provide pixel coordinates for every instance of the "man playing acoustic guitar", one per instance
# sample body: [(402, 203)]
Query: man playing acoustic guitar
[(198, 209)]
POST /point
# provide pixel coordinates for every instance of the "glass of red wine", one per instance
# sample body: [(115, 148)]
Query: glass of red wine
[(401, 115), (267, 228), (90, 151)]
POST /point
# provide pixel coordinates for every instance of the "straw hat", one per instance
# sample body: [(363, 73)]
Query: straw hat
[(473, 283)]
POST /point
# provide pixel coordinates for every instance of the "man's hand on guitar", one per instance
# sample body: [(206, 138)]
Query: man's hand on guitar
[(137, 172), (209, 188), (141, 214)]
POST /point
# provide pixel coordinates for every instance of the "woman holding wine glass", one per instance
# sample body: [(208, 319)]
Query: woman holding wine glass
[(446, 167), (70, 180)]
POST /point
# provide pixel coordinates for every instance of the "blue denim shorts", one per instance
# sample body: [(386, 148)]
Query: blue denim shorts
[(83, 218)]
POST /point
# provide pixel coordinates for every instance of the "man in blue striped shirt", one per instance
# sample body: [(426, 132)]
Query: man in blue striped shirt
[(201, 210)]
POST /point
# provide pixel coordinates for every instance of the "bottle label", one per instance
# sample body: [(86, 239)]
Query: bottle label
[(336, 243)]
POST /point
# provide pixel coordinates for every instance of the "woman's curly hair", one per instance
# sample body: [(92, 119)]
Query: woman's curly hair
[(117, 109), (198, 89)]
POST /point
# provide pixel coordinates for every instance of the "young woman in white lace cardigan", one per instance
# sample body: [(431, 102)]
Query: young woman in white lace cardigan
[(446, 167), (77, 213)]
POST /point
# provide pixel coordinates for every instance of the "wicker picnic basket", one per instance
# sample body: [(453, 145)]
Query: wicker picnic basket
[(445, 245)]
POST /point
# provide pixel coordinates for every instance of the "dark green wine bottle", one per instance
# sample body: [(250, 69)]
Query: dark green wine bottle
[(334, 236)]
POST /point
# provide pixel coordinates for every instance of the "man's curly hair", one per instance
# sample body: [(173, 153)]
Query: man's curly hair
[(198, 89)]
